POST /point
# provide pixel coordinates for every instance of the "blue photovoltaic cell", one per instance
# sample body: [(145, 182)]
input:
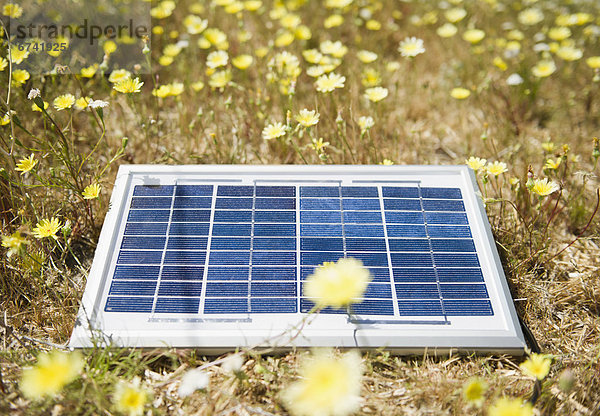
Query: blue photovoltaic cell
[(445, 193), (245, 255), (273, 273), (321, 217), (177, 305), (319, 191), (153, 190), (154, 203), (182, 273), (192, 202), (129, 304), (146, 242), (281, 191), (274, 243), (136, 272), (187, 243), (194, 190), (225, 190), (171, 288), (365, 244), (146, 215), (189, 215), (125, 287)]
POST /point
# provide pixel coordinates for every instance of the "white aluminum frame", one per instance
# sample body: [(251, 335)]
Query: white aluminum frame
[(499, 333)]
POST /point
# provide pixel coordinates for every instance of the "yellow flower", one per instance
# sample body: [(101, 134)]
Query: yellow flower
[(3, 64), (537, 365), (366, 57), (17, 55), (496, 168), (242, 61), (19, 77), (163, 10), (569, 53), (473, 390), (476, 163), (552, 164), (25, 165), (52, 372), (252, 5), (373, 24), (307, 118), (47, 228), (109, 47), (130, 398), (333, 21), (64, 101), (386, 162), (338, 4), (312, 56), (543, 69), (548, 147), (216, 59), (274, 130), (510, 407), (165, 60), (530, 16), (411, 47), (328, 83), (370, 77), (194, 24), (376, 94), (91, 191), (303, 32), (14, 243), (337, 284), (318, 145), (460, 93), (473, 36), (5, 119), (500, 64), (234, 7), (89, 71), (455, 14), (220, 79), (593, 62), (328, 386), (128, 86), (82, 102), (119, 75), (172, 50), (168, 90), (335, 49), (12, 10), (447, 30), (559, 33), (544, 187), (198, 86)]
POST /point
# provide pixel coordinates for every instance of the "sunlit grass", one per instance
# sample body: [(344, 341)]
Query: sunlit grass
[(509, 88)]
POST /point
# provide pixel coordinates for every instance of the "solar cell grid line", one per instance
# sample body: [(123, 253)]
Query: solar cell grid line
[(208, 251), (389, 254), (249, 301), (342, 219), (164, 253), (298, 276), (437, 278)]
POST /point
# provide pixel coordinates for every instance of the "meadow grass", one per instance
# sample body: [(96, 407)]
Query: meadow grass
[(525, 95)]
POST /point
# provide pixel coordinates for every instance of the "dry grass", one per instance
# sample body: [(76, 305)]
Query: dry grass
[(556, 293)]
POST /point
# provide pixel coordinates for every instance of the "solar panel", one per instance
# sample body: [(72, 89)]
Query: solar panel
[(216, 257)]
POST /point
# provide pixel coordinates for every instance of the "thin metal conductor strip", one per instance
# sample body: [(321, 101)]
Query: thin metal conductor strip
[(437, 278), (164, 252), (298, 269), (249, 297), (389, 254), (211, 223)]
